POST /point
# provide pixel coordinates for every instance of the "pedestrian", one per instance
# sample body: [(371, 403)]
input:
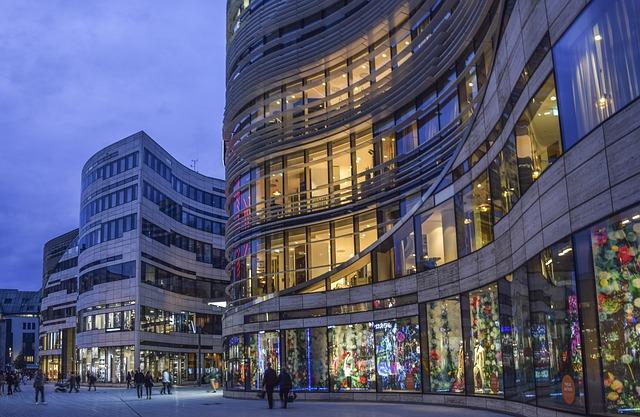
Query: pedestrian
[(77, 381), (285, 383), (166, 382), (92, 381), (128, 380), (269, 382), (9, 383), (38, 384), (3, 380), (72, 382), (16, 382), (138, 379), (148, 384)]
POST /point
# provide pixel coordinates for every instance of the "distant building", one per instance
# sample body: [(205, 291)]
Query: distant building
[(58, 306), (19, 327)]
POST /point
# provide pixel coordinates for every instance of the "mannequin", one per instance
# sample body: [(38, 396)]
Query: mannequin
[(478, 366), (460, 371)]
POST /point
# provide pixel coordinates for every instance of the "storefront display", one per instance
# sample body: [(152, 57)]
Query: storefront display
[(306, 356), (616, 262), (485, 341), (351, 357), (262, 348), (107, 364), (446, 350), (235, 370), (182, 366), (555, 328), (398, 355)]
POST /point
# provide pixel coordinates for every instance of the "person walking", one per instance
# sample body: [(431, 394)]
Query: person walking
[(78, 382), (166, 382), (269, 382), (38, 384), (285, 383), (72, 382), (138, 379), (92, 381), (3, 380), (128, 380), (148, 384), (9, 383)]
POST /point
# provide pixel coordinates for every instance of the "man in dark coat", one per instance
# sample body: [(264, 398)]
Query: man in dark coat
[(285, 383), (269, 382), (138, 379)]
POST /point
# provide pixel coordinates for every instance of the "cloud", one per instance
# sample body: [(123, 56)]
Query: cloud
[(77, 76)]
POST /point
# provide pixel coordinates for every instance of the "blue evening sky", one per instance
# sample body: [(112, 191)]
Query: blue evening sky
[(77, 75)]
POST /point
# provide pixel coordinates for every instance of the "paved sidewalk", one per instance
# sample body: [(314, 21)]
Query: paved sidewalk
[(196, 402)]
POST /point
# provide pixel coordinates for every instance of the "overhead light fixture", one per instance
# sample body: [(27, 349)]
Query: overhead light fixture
[(467, 221), (603, 102), (597, 37), (406, 42), (553, 98), (470, 84), (384, 55)]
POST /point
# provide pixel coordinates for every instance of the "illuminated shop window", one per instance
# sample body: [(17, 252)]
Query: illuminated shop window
[(262, 348), (398, 355), (235, 362), (486, 345), (351, 358), (597, 62), (445, 346), (305, 351)]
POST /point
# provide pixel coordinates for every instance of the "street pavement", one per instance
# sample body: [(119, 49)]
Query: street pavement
[(197, 402)]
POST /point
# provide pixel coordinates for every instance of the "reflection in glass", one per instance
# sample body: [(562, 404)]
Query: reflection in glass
[(486, 344), (538, 135), (597, 62), (351, 357), (503, 175), (404, 250), (616, 262), (398, 354), (555, 328), (262, 348), (473, 216), (438, 236), (446, 350)]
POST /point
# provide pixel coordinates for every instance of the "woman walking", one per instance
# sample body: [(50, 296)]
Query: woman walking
[(148, 384)]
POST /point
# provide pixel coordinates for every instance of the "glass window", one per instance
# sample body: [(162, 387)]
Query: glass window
[(398, 355), (616, 262), (306, 353), (555, 329), (401, 46), (538, 135), (276, 186), (262, 348), (235, 362), (381, 59), (445, 346), (344, 245), (315, 93), (486, 355), (296, 185), (503, 174), (473, 216), (319, 250), (364, 156), (437, 244), (351, 357), (276, 260), (360, 71), (341, 170), (294, 97), (448, 111), (338, 81), (597, 62), (367, 229), (404, 250), (296, 257), (406, 140), (318, 176), (428, 127)]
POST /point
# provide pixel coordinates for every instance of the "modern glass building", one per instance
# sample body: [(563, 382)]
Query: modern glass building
[(436, 201), (58, 305), (151, 266)]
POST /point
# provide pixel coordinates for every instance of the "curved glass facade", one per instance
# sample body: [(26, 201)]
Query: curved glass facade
[(450, 233)]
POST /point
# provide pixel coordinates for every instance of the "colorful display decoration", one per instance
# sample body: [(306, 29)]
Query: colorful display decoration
[(306, 358), (262, 348), (486, 343), (351, 357), (446, 350), (616, 262), (398, 355)]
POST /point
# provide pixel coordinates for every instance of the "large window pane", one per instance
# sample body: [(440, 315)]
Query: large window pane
[(351, 357), (538, 135), (446, 349), (555, 329), (338, 81), (404, 250), (306, 353), (438, 236), (398, 355), (503, 174), (616, 262), (319, 250), (318, 177), (486, 357), (597, 62), (235, 362), (473, 216)]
